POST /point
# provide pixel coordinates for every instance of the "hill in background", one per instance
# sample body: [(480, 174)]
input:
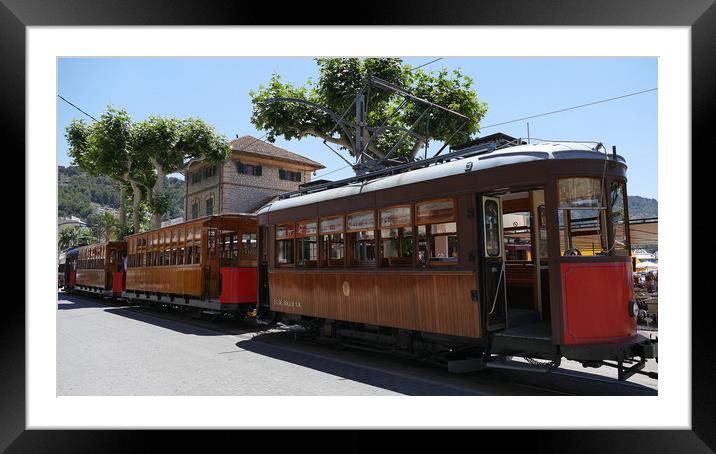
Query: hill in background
[(81, 195), (641, 207)]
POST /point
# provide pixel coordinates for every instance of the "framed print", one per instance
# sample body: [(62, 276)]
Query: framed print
[(36, 34)]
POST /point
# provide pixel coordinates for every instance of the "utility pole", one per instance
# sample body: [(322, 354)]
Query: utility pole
[(360, 126)]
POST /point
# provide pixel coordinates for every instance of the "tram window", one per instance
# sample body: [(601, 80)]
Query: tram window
[(333, 250), (197, 253), (226, 241), (285, 234), (437, 231), (307, 243), (397, 246), (361, 236), (581, 217), (363, 247), (284, 250), (332, 241), (517, 236), (492, 229), (422, 245), (620, 242), (248, 244), (443, 242), (396, 236), (307, 251), (542, 232)]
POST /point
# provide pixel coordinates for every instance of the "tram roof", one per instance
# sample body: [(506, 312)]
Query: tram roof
[(486, 160)]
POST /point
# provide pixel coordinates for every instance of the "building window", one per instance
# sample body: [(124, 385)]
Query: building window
[(195, 177), (195, 210), (249, 169), (208, 172), (289, 175), (210, 206)]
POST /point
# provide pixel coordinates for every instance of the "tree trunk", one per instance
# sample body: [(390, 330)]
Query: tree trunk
[(156, 191), (136, 200), (122, 210)]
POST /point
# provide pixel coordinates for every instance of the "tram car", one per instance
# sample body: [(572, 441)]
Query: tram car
[(97, 268), (465, 260), (62, 271), (206, 264), (67, 268)]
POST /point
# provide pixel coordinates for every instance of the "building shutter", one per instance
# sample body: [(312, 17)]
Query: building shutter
[(239, 167), (282, 174), (257, 171)]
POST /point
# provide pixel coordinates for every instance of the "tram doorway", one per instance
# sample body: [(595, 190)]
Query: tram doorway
[(514, 269)]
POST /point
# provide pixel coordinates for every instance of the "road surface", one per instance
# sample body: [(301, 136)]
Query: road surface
[(112, 349)]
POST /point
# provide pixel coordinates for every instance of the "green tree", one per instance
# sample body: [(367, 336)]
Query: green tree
[(141, 155), (170, 144), (341, 79), (73, 236), (105, 148), (106, 228)]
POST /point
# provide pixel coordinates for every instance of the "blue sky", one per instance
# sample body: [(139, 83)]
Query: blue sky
[(217, 90)]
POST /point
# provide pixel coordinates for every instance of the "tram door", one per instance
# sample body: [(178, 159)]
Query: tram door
[(263, 270), (212, 284), (494, 302)]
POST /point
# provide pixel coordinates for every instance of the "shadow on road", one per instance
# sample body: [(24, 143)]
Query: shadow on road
[(366, 375), (490, 382), (168, 319), (67, 301)]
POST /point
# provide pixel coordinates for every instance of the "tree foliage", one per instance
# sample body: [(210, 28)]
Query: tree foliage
[(341, 79), (140, 155), (74, 236)]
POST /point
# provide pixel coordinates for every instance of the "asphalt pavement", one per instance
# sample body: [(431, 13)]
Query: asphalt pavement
[(108, 348)]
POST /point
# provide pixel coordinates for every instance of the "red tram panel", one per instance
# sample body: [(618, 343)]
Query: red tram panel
[(118, 282), (596, 302), (238, 285)]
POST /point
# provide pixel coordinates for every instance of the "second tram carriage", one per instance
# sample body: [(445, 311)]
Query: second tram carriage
[(208, 264), (97, 268), (520, 251)]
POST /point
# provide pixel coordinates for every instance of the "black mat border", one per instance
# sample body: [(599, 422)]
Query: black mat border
[(15, 15)]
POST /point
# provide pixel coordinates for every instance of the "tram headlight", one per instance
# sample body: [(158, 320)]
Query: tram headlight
[(633, 308)]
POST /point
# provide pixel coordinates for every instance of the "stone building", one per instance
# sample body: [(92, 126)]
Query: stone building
[(255, 173)]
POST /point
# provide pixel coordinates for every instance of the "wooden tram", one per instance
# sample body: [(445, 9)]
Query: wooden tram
[(207, 263), (520, 251), (97, 268)]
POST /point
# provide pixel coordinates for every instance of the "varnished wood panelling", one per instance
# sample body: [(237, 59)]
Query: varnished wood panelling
[(178, 280), (436, 302), (92, 278)]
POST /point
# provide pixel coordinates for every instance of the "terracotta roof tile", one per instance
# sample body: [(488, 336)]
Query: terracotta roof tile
[(252, 145)]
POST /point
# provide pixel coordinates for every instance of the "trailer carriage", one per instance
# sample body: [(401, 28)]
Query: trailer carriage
[(206, 264)]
